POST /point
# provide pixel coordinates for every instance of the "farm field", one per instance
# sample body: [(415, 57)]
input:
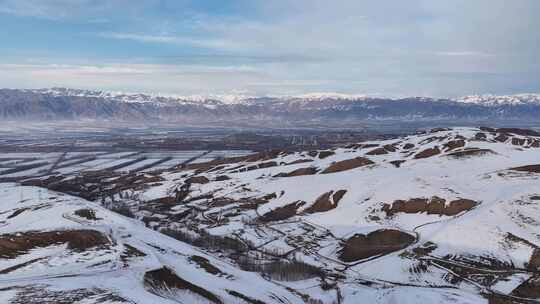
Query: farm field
[(18, 166)]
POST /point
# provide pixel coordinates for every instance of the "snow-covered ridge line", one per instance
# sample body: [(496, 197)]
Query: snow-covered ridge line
[(231, 99), (199, 98), (203, 98), (144, 97), (495, 100)]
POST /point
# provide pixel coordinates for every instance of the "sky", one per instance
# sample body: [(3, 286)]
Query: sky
[(438, 48)]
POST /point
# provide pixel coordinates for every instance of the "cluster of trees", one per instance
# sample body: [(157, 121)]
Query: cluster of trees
[(207, 241), (268, 263), (123, 209), (279, 269)]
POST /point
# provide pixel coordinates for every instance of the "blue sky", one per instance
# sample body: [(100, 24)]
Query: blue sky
[(394, 48)]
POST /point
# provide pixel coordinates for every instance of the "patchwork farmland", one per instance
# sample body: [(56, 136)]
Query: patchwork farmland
[(23, 166)]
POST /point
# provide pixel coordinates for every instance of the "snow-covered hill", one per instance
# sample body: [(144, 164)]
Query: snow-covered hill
[(55, 248), (501, 100), (444, 216)]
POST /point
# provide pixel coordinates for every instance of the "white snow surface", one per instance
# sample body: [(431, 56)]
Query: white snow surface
[(503, 226), (486, 249)]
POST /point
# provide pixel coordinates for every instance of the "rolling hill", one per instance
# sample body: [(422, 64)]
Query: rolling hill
[(443, 216)]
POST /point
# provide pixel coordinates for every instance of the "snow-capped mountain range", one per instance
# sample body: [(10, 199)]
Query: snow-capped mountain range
[(499, 100), (486, 99), (332, 109)]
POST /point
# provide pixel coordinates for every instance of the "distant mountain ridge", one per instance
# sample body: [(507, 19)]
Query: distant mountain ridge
[(331, 109)]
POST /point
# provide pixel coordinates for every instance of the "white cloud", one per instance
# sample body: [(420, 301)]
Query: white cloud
[(182, 79), (94, 11), (415, 47), (53, 9), (220, 44), (464, 54)]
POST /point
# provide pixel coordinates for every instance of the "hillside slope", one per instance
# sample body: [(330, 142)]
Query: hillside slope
[(445, 216), (55, 248), (449, 209)]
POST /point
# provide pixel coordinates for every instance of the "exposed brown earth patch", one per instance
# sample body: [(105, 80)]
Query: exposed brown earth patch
[(383, 150), (530, 169), (222, 178), (130, 252), (529, 289), (432, 139), (408, 146), (435, 205), (428, 153), (13, 245), (218, 163), (391, 147), (325, 154), (262, 156), (163, 201), (254, 203), (221, 202), (534, 260), (303, 171), (282, 213), (454, 144), (348, 164), (300, 161), (378, 151), (206, 265), (326, 202), (198, 180), (338, 195), (255, 167), (217, 168), (470, 153), (375, 243), (270, 196), (299, 172), (162, 281)]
